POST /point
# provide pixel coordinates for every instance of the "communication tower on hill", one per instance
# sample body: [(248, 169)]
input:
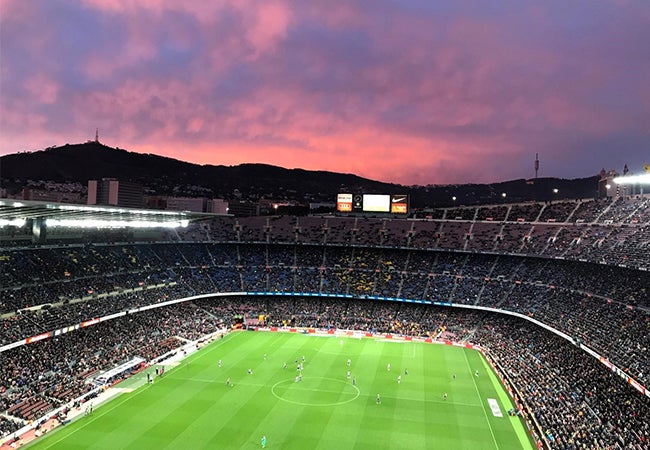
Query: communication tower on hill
[(536, 164)]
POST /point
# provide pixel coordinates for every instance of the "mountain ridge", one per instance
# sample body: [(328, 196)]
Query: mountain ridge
[(163, 175)]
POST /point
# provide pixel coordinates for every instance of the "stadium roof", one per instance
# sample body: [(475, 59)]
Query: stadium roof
[(63, 213)]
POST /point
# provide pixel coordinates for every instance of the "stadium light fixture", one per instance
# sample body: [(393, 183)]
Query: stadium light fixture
[(12, 222), (633, 179), (80, 223), (116, 210)]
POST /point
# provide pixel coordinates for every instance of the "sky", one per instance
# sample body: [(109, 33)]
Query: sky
[(410, 92)]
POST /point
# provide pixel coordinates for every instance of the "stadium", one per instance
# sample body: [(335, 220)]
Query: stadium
[(499, 326)]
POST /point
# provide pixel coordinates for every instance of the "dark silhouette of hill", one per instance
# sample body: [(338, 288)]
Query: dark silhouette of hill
[(167, 176)]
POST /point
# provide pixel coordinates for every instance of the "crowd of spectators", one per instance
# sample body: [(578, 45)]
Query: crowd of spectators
[(589, 301), (8, 426), (605, 232), (578, 403), (39, 377)]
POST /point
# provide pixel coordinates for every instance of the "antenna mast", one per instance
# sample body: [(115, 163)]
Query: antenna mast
[(536, 164)]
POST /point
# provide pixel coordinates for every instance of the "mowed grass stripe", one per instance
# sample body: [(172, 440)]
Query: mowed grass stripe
[(369, 368), (238, 411), (349, 421), (445, 417), (56, 439), (502, 427), (189, 404), (247, 403), (329, 372), (480, 397), (408, 417), (191, 407)]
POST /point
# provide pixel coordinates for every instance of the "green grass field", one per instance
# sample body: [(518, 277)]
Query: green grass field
[(192, 408)]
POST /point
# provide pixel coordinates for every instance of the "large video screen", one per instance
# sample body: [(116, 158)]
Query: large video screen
[(376, 203), (373, 203)]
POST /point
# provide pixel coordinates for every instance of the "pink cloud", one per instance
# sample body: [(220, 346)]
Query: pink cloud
[(43, 88), (269, 25)]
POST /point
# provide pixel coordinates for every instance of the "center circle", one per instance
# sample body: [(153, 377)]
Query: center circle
[(329, 390)]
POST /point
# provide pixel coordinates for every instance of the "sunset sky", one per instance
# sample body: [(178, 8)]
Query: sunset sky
[(412, 92)]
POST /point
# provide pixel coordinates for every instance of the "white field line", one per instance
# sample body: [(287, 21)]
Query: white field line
[(487, 419)]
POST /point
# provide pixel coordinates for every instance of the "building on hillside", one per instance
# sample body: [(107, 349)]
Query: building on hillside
[(242, 209), (41, 195), (194, 204), (110, 191), (218, 206)]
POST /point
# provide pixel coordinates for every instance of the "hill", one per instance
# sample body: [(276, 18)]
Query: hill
[(166, 176)]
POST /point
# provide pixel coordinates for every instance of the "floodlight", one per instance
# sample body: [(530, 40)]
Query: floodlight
[(12, 222), (89, 223), (116, 210), (633, 179)]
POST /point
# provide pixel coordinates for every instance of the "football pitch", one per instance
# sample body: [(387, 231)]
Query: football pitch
[(192, 407)]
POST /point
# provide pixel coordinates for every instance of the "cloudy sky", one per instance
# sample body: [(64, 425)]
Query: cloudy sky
[(413, 92)]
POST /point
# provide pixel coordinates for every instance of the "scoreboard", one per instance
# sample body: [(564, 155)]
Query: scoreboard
[(344, 202), (373, 203)]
